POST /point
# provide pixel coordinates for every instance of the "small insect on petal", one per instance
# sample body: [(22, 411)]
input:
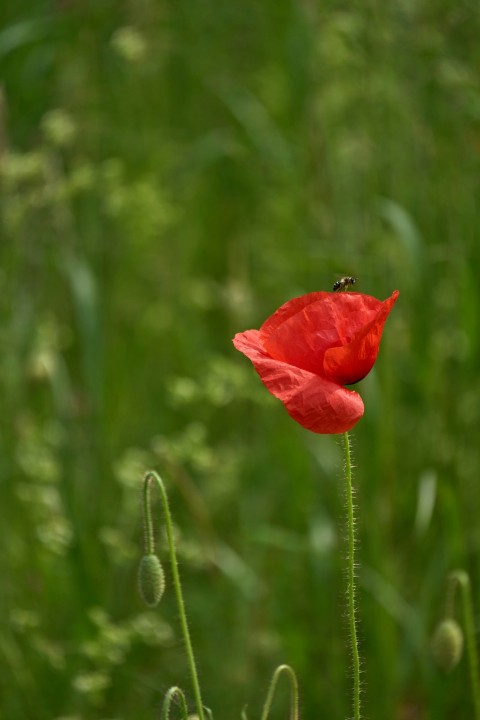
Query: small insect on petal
[(344, 282)]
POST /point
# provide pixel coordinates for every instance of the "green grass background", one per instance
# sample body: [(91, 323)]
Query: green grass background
[(171, 172)]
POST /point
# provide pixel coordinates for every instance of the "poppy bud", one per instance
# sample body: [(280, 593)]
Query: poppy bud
[(151, 580), (447, 644)]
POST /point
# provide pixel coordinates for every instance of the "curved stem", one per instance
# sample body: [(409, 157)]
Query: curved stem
[(175, 693), (149, 543), (293, 692), (147, 517), (351, 578), (461, 578)]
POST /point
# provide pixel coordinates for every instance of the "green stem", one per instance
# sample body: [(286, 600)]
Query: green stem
[(461, 577), (351, 579), (147, 516), (294, 711), (149, 548), (174, 694)]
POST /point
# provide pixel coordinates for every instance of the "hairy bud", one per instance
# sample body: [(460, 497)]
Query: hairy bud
[(447, 644), (151, 580)]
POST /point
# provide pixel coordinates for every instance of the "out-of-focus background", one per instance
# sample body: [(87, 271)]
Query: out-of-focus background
[(171, 172)]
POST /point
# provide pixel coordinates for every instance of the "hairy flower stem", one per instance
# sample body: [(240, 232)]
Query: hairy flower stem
[(351, 578), (460, 578), (149, 548)]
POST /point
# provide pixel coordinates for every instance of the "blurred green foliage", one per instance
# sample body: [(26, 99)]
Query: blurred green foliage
[(170, 172)]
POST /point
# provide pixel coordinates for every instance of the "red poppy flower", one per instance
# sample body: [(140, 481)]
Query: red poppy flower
[(313, 346)]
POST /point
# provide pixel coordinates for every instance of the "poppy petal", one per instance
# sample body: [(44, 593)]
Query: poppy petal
[(302, 330), (351, 362), (291, 307), (316, 403)]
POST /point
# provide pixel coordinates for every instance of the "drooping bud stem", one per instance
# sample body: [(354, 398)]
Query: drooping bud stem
[(147, 518), (286, 670), (175, 694), (149, 550), (151, 578), (460, 579)]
